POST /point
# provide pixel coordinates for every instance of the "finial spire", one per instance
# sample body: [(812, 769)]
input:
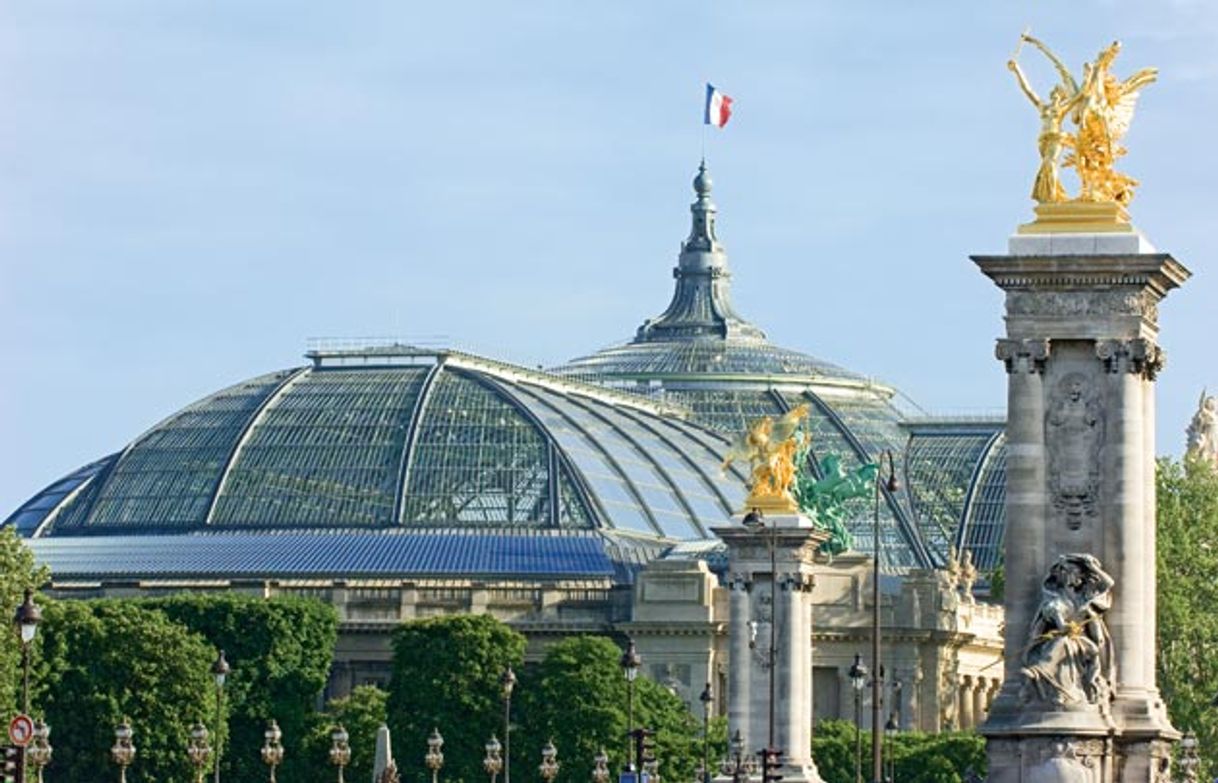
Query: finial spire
[(700, 306)]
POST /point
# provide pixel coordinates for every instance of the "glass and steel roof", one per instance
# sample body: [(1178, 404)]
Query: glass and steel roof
[(396, 438)]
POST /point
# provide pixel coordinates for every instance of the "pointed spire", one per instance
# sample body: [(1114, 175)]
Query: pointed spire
[(701, 306)]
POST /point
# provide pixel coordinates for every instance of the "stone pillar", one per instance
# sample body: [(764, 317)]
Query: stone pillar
[(964, 696), (1081, 355), (979, 700), (777, 562), (738, 676)]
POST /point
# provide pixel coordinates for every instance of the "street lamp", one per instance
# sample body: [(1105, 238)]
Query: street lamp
[(858, 681), (600, 772), (434, 758), (123, 751), (492, 762), (630, 663), (507, 681), (549, 762), (26, 619), (890, 731), (39, 752), (739, 766), (705, 697), (340, 750), (219, 671), (272, 748), (882, 486), (198, 750)]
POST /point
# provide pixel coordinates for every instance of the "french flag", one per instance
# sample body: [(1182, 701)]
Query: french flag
[(718, 107)]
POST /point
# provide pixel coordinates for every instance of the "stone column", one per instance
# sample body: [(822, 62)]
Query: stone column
[(780, 601), (738, 675), (964, 698), (979, 700), (1081, 354)]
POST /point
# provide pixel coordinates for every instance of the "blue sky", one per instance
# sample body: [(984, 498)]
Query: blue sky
[(190, 190)]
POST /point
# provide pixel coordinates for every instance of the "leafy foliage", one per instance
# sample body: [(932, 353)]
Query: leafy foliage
[(1187, 560), (361, 714), (280, 651), (17, 572), (446, 675), (578, 697), (106, 659), (916, 757)]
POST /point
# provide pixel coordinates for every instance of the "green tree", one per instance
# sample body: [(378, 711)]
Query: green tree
[(17, 572), (280, 651), (1187, 559), (446, 675), (106, 659), (577, 697), (361, 714)]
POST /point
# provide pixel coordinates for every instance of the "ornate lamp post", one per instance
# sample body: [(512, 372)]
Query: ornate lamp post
[(705, 697), (738, 765), (549, 762), (630, 663), (39, 751), (219, 672), (507, 681), (340, 749), (600, 770), (1189, 758), (272, 748), (123, 751), (493, 762), (858, 681), (434, 758), (26, 620), (882, 486), (198, 750)]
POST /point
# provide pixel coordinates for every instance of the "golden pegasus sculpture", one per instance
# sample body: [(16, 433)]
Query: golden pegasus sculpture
[(1101, 108), (770, 446)]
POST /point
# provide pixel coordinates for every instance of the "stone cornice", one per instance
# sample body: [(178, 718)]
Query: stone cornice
[(1158, 272)]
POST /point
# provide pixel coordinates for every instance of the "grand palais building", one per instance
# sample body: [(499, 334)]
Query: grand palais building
[(396, 482)]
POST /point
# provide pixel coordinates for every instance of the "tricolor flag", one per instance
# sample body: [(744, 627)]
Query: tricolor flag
[(718, 107)]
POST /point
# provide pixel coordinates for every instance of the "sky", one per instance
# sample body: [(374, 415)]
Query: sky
[(189, 191)]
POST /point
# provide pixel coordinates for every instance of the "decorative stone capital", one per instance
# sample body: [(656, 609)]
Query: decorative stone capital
[(738, 582), (1023, 355), (1138, 356), (795, 582)]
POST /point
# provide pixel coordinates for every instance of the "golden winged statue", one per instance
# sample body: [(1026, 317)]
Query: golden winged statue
[(1101, 108), (769, 445)]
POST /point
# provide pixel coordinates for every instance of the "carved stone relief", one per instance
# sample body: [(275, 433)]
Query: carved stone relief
[(1082, 303), (1074, 436)]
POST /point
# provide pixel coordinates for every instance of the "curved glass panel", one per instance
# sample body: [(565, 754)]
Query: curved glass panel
[(325, 453), (985, 523), (939, 466), (700, 357), (607, 481), (167, 478), (478, 461), (727, 411), (28, 517)]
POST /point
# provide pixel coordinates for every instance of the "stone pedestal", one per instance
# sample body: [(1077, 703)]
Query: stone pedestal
[(770, 581), (1081, 352)]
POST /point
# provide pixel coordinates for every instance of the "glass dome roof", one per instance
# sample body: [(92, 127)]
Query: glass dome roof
[(404, 438)]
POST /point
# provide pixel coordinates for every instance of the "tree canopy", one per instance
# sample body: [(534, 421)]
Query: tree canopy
[(446, 675), (105, 659), (1187, 559)]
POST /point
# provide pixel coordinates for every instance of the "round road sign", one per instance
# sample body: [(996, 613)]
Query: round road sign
[(20, 730)]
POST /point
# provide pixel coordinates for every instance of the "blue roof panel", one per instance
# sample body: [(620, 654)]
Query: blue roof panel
[(342, 554)]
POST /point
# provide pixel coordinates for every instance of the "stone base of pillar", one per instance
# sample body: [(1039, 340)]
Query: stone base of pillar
[(1143, 761), (1050, 759), (1142, 714), (802, 773)]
